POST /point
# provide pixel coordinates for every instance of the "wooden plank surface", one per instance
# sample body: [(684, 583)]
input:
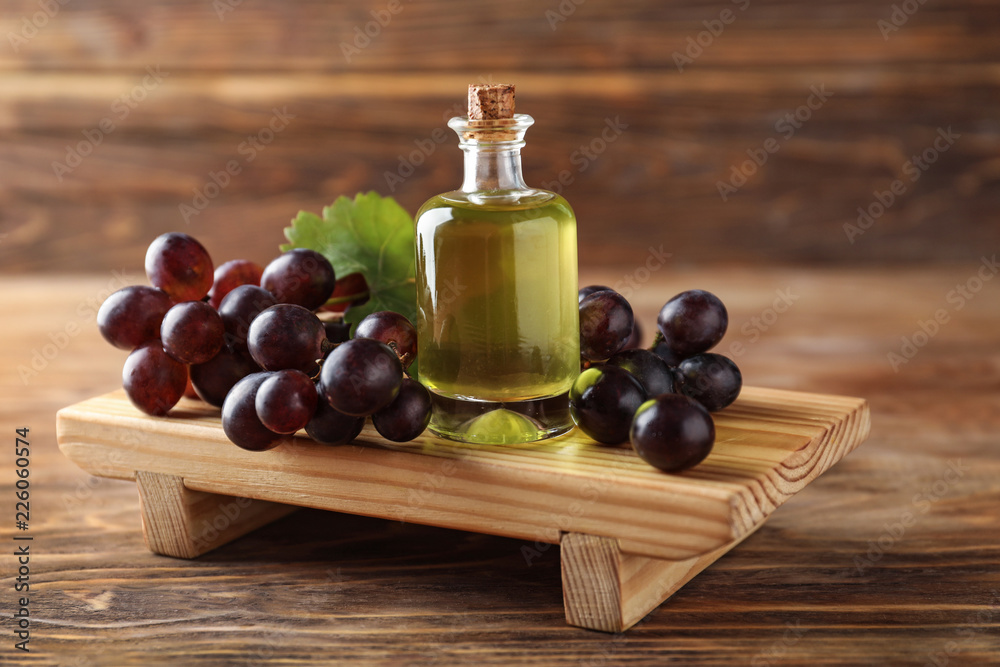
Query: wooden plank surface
[(769, 445), (813, 585), (356, 119), (307, 34)]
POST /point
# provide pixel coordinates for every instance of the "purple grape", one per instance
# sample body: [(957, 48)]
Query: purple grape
[(192, 332), (711, 379), (231, 275), (361, 376), (652, 372), (634, 341), (239, 416), (337, 331), (332, 427), (131, 316), (602, 402), (663, 351), (153, 380), (408, 414), (672, 432), (287, 336), (213, 379), (605, 324), (590, 289), (286, 401), (302, 277), (692, 322), (180, 266), (392, 329), (238, 309)]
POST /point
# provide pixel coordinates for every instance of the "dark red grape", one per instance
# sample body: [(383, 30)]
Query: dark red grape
[(337, 331), (634, 341), (153, 380), (361, 376), (672, 432), (408, 414), (711, 379), (602, 402), (189, 390), (392, 329), (287, 336), (652, 372), (192, 332), (590, 289), (238, 309), (213, 379), (692, 322), (332, 427), (302, 277), (286, 401), (605, 324), (231, 275), (347, 287), (663, 351), (180, 266), (239, 416), (131, 316)]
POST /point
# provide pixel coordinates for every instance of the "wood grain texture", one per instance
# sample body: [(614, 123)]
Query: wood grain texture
[(507, 34), (179, 522), (657, 183), (812, 586), (769, 445), (607, 589)]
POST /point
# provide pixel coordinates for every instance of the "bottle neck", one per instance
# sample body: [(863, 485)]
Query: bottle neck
[(492, 168), (492, 153)]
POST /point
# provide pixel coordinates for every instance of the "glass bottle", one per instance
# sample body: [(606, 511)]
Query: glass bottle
[(497, 314)]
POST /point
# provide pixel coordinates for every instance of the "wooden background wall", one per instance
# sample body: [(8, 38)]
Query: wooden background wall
[(226, 64)]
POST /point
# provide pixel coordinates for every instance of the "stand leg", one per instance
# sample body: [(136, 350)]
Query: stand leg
[(179, 522), (606, 589)]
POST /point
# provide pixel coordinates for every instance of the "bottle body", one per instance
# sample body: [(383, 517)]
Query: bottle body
[(497, 314), (496, 299)]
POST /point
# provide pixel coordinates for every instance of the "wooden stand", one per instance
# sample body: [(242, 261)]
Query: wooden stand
[(607, 589), (630, 535), (179, 522)]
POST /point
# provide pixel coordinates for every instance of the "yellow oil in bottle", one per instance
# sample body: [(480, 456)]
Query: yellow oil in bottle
[(497, 318), (498, 314)]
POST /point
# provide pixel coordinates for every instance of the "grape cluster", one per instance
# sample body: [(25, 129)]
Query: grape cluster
[(248, 339), (660, 398)]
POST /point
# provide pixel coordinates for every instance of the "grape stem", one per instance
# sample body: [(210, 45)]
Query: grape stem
[(657, 339), (404, 359), (348, 298), (326, 347)]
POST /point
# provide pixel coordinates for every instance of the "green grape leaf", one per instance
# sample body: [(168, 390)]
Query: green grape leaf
[(372, 235)]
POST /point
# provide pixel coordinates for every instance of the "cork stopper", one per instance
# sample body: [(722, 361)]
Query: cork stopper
[(494, 101)]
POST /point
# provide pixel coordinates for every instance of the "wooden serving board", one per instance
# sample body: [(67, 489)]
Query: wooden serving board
[(630, 535)]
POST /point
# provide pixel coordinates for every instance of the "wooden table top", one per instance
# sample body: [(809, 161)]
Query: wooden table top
[(891, 557)]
